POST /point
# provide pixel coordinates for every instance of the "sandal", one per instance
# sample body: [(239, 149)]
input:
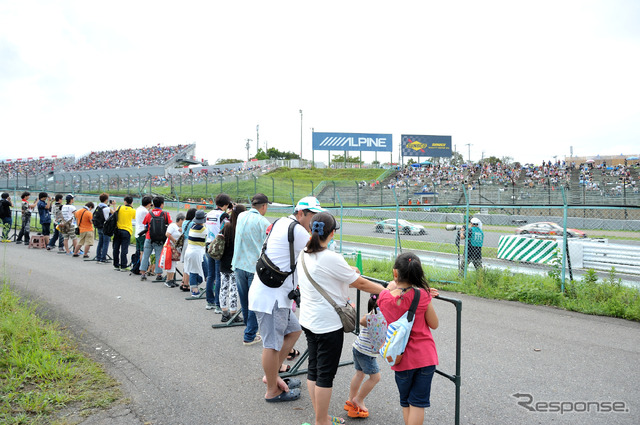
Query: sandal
[(358, 413), (286, 369), (184, 288), (293, 354), (348, 405), (337, 420)]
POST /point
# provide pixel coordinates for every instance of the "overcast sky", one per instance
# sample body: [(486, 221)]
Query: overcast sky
[(512, 78)]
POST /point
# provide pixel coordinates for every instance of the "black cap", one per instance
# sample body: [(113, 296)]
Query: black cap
[(259, 198), (69, 197)]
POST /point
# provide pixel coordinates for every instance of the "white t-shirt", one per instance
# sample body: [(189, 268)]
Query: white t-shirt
[(212, 224), (261, 297), (174, 230), (334, 275), (67, 213), (141, 213)]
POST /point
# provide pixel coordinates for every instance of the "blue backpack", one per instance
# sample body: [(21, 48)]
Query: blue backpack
[(398, 333)]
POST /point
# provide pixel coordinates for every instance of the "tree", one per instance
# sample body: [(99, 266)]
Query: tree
[(261, 155), (223, 161), (350, 159), (273, 153), (493, 160)]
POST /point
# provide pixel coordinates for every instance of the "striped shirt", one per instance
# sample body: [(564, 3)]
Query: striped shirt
[(197, 235)]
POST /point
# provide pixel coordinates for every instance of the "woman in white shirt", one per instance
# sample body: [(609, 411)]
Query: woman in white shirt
[(319, 320)]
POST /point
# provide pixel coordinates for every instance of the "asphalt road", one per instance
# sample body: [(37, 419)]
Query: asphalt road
[(176, 369)]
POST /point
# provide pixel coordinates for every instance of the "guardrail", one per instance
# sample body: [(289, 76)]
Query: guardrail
[(599, 256)]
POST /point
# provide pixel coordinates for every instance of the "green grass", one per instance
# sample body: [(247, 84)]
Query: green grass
[(41, 369), (277, 185), (606, 297), (446, 248)]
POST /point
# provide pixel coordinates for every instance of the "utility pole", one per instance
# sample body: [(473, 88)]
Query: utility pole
[(257, 138), (247, 146), (300, 137), (469, 147)]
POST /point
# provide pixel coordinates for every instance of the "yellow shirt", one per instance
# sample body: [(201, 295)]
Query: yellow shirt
[(125, 215)]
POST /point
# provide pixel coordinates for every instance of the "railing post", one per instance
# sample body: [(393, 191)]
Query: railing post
[(357, 193), (273, 189), (340, 201), (397, 224), (293, 193), (564, 241)]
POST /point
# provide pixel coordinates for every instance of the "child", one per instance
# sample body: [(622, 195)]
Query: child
[(414, 372), (365, 350)]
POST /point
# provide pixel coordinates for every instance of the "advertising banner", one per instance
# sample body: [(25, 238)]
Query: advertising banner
[(434, 146), (352, 142)]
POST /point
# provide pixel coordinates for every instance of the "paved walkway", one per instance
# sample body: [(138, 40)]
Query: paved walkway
[(176, 369)]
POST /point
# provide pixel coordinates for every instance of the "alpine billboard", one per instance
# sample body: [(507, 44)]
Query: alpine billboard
[(352, 142)]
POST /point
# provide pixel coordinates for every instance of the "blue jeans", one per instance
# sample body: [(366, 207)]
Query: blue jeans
[(103, 246), (57, 236), (243, 281), (194, 279), (149, 246), (6, 227), (121, 241), (212, 272)]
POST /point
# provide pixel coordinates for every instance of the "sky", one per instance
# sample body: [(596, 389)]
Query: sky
[(525, 80)]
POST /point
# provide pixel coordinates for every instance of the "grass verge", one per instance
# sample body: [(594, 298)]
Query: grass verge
[(605, 297), (42, 371)]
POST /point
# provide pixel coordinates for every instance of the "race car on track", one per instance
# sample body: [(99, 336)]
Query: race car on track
[(405, 227), (548, 228)]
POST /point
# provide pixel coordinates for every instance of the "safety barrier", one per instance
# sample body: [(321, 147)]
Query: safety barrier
[(455, 378), (602, 256)]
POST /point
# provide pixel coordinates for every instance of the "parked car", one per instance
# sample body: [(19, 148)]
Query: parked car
[(548, 228), (389, 226)]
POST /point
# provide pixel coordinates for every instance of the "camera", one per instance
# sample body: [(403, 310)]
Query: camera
[(452, 227), (294, 294)]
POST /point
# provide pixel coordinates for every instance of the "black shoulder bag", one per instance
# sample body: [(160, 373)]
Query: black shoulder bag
[(269, 273)]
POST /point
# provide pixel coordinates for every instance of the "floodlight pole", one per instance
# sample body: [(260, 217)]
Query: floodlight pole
[(301, 137), (247, 146), (469, 151)]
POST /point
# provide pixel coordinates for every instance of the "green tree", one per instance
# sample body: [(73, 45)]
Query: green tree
[(223, 161), (274, 153), (350, 159)]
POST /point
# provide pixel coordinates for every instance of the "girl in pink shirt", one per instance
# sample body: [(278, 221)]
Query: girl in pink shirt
[(414, 372)]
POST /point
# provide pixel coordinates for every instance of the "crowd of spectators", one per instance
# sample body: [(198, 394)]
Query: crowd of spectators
[(29, 167), (125, 158)]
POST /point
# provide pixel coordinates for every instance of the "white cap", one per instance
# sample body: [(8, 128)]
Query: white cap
[(475, 220), (309, 203)]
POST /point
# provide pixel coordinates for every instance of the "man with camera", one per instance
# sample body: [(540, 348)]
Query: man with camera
[(271, 296), (474, 237)]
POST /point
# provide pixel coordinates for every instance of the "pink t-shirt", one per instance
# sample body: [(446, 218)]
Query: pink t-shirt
[(421, 348)]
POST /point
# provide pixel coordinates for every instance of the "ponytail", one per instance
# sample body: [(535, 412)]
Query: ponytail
[(322, 224), (410, 270)]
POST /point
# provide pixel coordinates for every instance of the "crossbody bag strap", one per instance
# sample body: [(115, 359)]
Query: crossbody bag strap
[(315, 284), (264, 245), (414, 304)]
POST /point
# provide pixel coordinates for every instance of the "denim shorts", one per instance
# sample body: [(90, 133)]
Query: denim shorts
[(414, 386), (365, 364)]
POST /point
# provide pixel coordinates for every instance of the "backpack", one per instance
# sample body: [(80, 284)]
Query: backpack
[(110, 226), (5, 208), (98, 218), (398, 333), (135, 263), (158, 228), (269, 273), (216, 247)]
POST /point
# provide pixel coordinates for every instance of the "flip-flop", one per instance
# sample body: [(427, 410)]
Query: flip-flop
[(337, 420), (348, 405), (290, 395), (293, 355), (292, 383), (358, 413)]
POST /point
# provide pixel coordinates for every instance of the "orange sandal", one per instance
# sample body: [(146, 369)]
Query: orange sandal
[(348, 405), (357, 412)]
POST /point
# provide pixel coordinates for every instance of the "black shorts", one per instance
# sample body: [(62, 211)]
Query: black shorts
[(324, 356), (46, 229)]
